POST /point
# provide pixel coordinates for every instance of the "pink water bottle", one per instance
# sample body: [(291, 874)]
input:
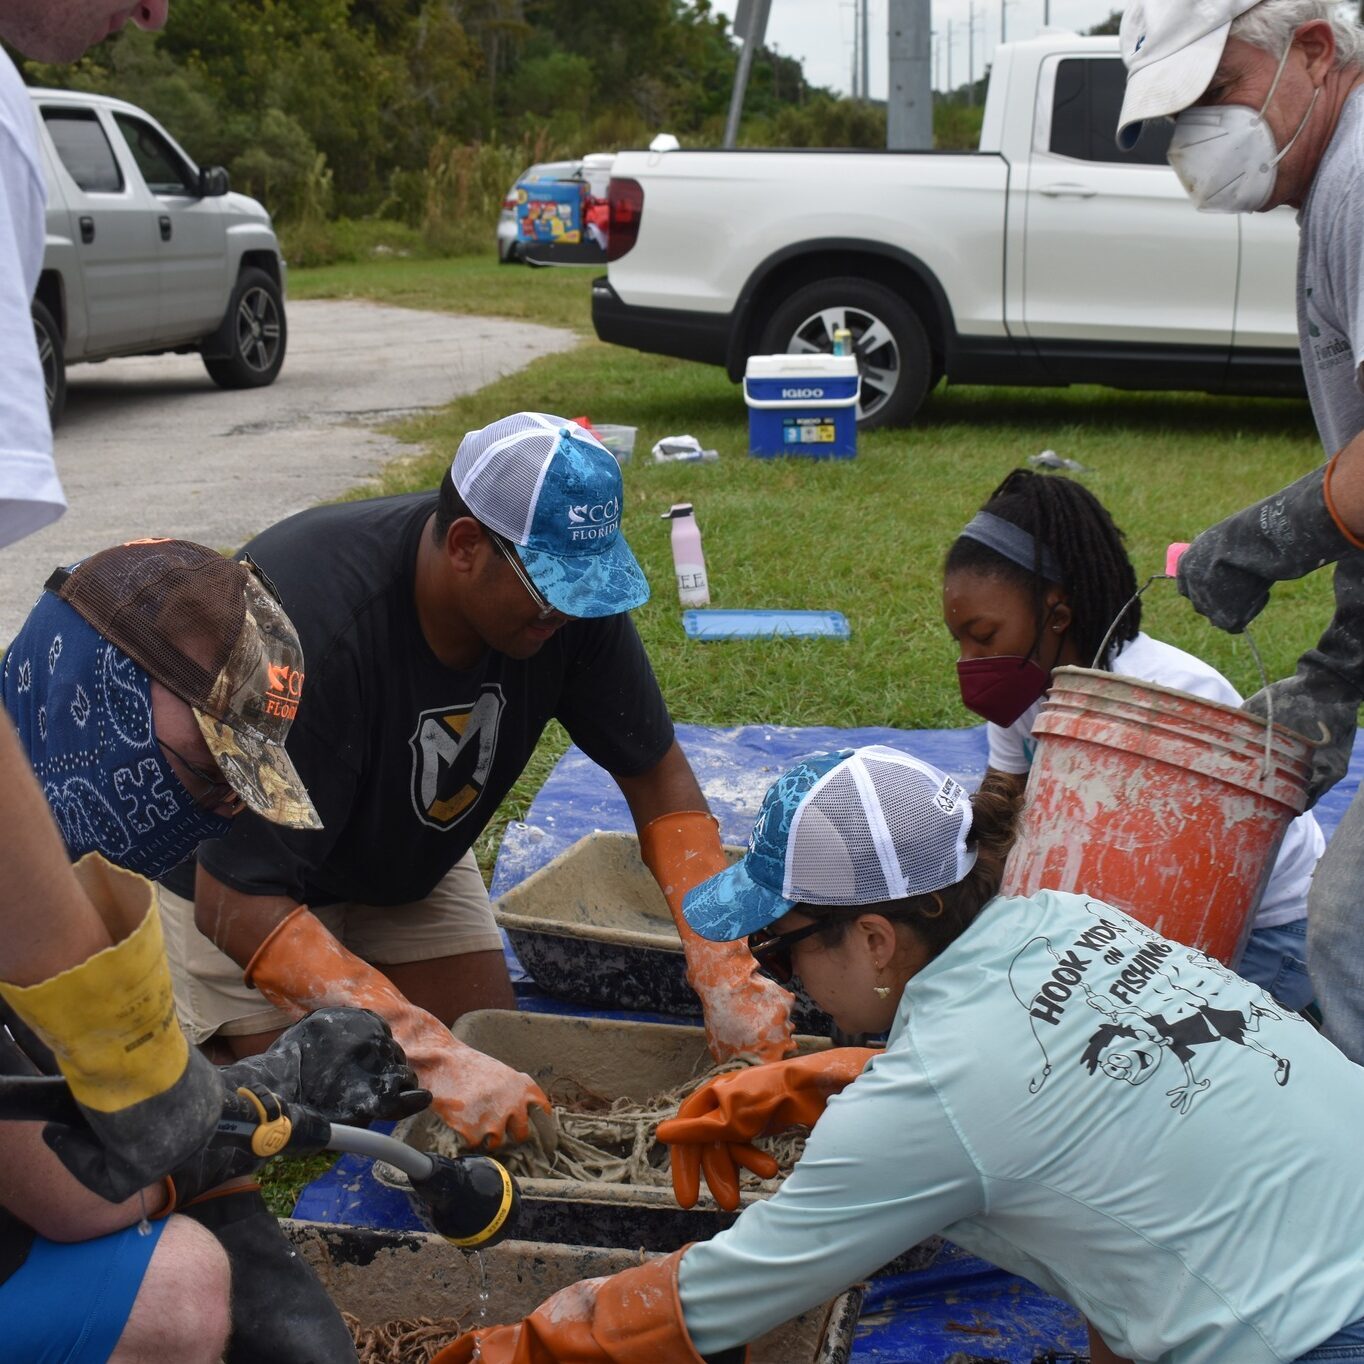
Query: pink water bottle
[(688, 561)]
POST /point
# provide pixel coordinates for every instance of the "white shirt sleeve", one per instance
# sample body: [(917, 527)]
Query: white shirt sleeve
[(884, 1168), (30, 493)]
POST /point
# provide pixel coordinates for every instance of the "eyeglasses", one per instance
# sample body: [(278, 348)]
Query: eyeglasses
[(505, 549), (216, 793), (772, 951)]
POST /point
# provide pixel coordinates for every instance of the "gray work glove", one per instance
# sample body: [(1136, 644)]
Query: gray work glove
[(1228, 570), (341, 1063), (1321, 700)]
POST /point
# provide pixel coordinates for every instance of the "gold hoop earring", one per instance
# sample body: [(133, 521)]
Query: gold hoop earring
[(941, 908)]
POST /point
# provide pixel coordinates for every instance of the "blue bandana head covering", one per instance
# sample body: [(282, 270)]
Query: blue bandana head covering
[(83, 711)]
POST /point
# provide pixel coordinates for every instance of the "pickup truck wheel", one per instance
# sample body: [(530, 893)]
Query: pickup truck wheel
[(256, 324), (52, 357), (891, 345)]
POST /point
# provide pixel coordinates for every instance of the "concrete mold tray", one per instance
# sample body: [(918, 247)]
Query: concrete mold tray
[(598, 1060), (592, 926), (573, 1059), (381, 1276)]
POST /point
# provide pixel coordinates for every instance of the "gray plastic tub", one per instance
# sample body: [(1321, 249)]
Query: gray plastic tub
[(592, 926), (570, 1058), (381, 1276)]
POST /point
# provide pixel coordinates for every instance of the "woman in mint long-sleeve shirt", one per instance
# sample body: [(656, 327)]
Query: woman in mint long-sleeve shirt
[(1112, 1115)]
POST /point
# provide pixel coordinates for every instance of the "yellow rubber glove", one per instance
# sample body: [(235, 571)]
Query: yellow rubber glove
[(149, 1100)]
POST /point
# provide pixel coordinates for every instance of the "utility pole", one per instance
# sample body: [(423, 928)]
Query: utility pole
[(1004, 20), (1046, 12), (753, 32), (909, 96), (949, 57), (971, 54), (866, 53)]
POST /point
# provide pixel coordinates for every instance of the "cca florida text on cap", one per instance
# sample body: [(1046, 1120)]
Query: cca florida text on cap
[(555, 492), (1171, 49)]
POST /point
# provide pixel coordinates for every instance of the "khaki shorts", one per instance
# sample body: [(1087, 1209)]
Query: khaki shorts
[(212, 997)]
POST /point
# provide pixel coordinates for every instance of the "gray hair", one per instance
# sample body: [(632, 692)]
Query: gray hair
[(1271, 24)]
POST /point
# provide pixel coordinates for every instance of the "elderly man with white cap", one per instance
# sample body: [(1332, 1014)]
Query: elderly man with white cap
[(1267, 109)]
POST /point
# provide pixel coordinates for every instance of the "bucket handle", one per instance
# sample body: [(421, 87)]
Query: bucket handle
[(1254, 649)]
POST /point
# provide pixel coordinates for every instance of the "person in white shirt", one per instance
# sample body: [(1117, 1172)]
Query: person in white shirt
[(1063, 1092), (1033, 583)]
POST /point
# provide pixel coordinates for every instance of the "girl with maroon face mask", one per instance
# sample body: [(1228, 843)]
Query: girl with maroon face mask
[(1032, 584)]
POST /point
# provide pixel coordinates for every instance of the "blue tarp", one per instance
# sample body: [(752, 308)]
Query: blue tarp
[(959, 1305)]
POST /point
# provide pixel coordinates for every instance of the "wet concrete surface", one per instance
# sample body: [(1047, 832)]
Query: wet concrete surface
[(151, 446)]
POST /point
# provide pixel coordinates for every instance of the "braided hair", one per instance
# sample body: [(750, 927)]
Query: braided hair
[(1068, 519)]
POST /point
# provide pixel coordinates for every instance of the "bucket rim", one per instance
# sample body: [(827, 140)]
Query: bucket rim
[(1242, 715)]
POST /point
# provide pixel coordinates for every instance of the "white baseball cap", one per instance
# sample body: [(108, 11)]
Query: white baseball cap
[(1171, 49), (855, 827)]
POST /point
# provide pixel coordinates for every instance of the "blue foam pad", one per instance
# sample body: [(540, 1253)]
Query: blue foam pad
[(723, 624)]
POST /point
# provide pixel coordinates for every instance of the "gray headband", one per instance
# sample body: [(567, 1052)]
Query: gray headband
[(1013, 542)]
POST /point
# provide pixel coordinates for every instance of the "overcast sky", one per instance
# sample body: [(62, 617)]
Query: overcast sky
[(820, 33)]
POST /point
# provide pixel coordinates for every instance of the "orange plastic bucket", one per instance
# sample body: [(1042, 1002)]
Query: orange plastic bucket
[(1158, 802)]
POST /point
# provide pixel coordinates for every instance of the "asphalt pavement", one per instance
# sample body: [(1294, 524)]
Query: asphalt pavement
[(151, 446)]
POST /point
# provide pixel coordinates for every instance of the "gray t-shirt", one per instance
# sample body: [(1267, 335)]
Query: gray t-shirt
[(1331, 282)]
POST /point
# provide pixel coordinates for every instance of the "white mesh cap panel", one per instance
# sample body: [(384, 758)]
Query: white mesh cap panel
[(929, 816), (879, 826), (832, 857), (498, 471)]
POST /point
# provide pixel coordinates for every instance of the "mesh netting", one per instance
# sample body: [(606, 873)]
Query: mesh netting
[(927, 822), (498, 470), (879, 826), (411, 1340), (833, 858), (173, 607), (611, 1142)]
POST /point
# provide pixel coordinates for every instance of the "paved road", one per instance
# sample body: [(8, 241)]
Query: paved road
[(150, 446)]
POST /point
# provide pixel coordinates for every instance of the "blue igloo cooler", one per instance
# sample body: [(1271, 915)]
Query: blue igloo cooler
[(802, 405)]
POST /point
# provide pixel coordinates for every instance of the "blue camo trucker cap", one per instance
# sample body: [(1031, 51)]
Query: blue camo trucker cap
[(855, 827), (555, 492)]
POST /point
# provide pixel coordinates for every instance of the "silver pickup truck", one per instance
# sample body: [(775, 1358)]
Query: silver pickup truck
[(148, 253)]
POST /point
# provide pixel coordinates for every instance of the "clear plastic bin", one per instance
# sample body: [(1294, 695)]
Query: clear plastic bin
[(620, 440)]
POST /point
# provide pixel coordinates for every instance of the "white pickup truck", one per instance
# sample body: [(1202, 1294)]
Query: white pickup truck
[(1047, 257)]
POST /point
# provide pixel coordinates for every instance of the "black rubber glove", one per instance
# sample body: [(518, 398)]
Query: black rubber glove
[(341, 1063), (1321, 700), (1228, 570)]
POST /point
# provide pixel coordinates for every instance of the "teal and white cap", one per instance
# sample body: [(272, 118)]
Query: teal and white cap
[(855, 827), (555, 492)]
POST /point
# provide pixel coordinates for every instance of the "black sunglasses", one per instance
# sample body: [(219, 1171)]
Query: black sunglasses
[(772, 951), (507, 550), (217, 792)]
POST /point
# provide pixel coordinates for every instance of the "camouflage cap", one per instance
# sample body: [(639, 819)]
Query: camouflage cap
[(210, 630)]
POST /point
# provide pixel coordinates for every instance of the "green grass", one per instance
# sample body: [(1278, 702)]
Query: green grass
[(467, 284), (866, 536)]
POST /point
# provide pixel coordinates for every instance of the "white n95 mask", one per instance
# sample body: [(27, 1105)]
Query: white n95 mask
[(1224, 154)]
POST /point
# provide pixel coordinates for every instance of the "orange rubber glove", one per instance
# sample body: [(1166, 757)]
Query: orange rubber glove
[(745, 1013), (714, 1127), (301, 966), (634, 1317)]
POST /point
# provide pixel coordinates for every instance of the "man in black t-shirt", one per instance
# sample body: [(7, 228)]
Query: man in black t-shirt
[(442, 631)]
